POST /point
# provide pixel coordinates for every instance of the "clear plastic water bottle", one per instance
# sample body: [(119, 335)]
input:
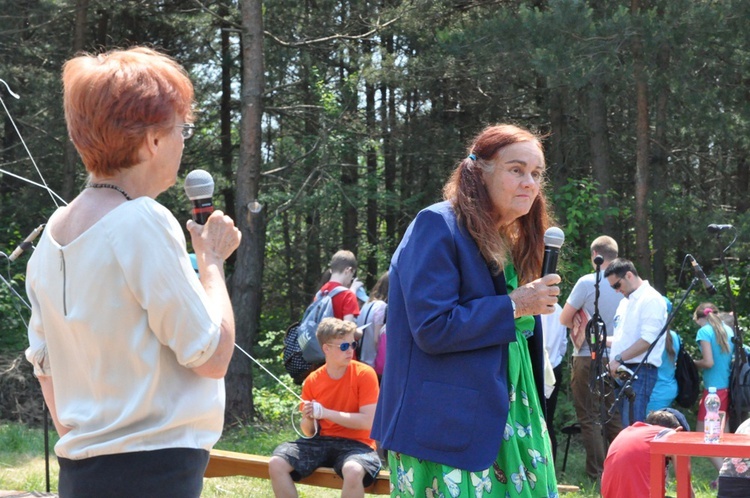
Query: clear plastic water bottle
[(712, 422)]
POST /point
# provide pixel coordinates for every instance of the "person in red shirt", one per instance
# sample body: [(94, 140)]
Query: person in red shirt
[(343, 269), (338, 410), (627, 468)]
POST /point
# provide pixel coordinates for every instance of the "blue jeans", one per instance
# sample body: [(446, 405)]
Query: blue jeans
[(641, 387)]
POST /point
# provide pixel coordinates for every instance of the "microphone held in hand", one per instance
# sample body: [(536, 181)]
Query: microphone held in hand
[(714, 228), (702, 276), (26, 244), (199, 187), (553, 240)]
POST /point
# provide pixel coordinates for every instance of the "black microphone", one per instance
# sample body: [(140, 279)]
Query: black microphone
[(714, 228), (702, 276), (553, 240), (598, 260), (199, 187), (26, 244)]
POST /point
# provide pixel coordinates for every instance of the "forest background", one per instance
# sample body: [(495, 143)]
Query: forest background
[(329, 124)]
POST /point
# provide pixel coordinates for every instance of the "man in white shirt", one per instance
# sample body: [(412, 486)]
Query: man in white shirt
[(639, 319)]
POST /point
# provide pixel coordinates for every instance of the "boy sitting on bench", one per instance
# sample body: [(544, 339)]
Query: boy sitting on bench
[(340, 399)]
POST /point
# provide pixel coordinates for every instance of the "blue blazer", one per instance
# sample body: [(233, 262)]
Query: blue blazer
[(444, 392)]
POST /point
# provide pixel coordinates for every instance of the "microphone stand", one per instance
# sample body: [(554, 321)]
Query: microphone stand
[(629, 381), (596, 336), (739, 351)]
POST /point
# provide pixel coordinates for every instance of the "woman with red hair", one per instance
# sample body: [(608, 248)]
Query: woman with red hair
[(461, 407), (130, 348)]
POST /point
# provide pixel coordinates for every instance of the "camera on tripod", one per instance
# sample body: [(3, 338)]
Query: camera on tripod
[(624, 373)]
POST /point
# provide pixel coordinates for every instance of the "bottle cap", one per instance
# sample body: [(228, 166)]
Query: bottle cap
[(712, 389)]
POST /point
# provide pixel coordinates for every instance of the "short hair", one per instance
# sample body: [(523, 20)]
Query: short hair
[(333, 328), (342, 260), (619, 267), (667, 417), (606, 246), (113, 99)]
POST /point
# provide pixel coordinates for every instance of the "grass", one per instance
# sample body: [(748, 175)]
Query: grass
[(22, 464)]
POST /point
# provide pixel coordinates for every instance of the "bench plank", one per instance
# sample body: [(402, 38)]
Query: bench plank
[(230, 463)]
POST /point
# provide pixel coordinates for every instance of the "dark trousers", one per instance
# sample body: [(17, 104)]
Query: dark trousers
[(551, 406), (145, 474)]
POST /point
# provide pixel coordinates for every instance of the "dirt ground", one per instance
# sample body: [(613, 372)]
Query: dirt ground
[(20, 395)]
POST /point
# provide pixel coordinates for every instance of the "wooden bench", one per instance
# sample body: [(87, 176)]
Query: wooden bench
[(230, 463)]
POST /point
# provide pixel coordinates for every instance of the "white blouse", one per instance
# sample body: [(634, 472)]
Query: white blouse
[(118, 320)]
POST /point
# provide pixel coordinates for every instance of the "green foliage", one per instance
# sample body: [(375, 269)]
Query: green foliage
[(578, 206)]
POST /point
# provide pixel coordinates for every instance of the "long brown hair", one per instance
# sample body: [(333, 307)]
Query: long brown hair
[(710, 312), (522, 240)]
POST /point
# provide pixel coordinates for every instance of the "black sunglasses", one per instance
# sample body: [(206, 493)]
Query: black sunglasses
[(344, 346), (616, 285)]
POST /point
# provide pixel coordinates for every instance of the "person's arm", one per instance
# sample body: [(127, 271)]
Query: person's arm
[(48, 392), (361, 420), (308, 419), (637, 348), (567, 315), (213, 243), (708, 356)]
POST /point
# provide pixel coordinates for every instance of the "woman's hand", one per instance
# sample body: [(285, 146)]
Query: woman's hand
[(538, 297), (215, 241)]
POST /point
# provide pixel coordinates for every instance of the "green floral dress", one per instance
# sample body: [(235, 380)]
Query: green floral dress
[(524, 466)]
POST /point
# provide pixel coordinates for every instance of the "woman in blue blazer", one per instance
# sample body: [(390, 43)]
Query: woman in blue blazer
[(460, 409)]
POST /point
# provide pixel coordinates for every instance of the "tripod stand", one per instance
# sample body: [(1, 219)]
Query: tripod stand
[(596, 337)]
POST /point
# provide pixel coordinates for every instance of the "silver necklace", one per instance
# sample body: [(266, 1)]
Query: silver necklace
[(109, 185)]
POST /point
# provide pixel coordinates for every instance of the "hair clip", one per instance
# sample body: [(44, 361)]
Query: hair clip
[(472, 157)]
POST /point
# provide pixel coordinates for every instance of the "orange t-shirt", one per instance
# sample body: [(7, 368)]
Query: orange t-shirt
[(356, 388)]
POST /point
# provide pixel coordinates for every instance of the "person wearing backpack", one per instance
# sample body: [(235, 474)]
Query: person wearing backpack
[(343, 273), (371, 321), (665, 389), (337, 299), (717, 348)]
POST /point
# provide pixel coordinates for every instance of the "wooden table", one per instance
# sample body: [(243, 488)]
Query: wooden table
[(684, 445)]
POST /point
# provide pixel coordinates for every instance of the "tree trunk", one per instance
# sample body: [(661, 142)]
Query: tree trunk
[(349, 173), (642, 172), (248, 274), (225, 110), (371, 187), (599, 148), (71, 155), (660, 169)]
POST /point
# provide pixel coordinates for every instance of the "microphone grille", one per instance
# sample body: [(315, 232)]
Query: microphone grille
[(554, 237), (199, 184)]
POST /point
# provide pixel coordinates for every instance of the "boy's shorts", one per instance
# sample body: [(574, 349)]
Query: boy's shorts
[(306, 455)]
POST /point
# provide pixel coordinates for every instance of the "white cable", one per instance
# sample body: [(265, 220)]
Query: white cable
[(12, 121), (295, 409), (45, 187)]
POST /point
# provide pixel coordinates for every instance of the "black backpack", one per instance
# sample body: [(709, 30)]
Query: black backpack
[(294, 363), (688, 380)]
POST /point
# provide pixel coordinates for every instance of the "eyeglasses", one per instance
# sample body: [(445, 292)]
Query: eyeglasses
[(344, 346), (187, 130), (618, 284)]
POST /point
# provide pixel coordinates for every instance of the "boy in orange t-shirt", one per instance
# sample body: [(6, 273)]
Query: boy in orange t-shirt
[(338, 410)]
